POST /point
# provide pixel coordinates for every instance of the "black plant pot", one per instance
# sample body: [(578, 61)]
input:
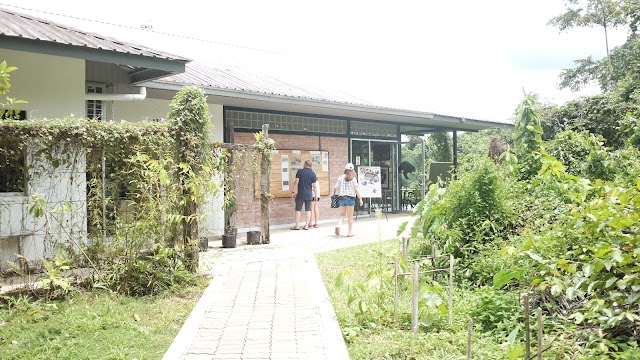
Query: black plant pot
[(253, 237), (204, 243), (229, 240)]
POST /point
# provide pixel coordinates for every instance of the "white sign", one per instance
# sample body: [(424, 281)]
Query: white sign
[(370, 181), (325, 161), (357, 160), (285, 172)]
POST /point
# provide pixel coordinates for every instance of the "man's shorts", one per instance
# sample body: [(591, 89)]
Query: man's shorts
[(307, 204)]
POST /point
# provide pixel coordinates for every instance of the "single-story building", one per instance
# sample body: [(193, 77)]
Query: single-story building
[(66, 72)]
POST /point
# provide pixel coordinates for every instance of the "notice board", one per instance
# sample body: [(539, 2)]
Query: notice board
[(370, 181), (285, 164)]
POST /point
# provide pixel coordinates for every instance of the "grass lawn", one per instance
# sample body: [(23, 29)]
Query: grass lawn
[(388, 339), (95, 325)]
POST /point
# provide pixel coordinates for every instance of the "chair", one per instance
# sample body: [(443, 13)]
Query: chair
[(408, 199)]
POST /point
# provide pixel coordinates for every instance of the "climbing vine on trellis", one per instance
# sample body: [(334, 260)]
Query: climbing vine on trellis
[(138, 182)]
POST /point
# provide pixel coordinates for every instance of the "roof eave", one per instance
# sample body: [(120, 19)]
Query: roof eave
[(154, 67), (476, 124), (289, 99), (445, 122)]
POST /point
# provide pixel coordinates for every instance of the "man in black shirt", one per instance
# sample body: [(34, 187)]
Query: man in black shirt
[(303, 193)]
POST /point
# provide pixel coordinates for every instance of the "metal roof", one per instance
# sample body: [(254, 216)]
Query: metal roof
[(236, 79), (24, 26), (233, 80)]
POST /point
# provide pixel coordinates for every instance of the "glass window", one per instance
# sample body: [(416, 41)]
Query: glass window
[(361, 128), (94, 107), (286, 122)]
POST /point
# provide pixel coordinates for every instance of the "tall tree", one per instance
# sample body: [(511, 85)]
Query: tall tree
[(608, 14), (590, 13)]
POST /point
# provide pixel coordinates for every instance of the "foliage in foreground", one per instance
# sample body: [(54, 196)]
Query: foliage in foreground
[(146, 185), (573, 245), (94, 325), (375, 334)]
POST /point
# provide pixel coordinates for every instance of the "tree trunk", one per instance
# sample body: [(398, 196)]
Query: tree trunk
[(230, 209), (265, 174), (192, 242), (606, 44)]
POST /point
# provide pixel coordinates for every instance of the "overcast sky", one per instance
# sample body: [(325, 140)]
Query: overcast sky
[(457, 57)]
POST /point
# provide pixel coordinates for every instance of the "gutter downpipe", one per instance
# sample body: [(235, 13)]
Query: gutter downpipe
[(118, 97)]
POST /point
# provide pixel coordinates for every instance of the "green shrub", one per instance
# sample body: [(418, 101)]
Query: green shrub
[(473, 210), (589, 261), (599, 114), (583, 154), (148, 273), (477, 144), (496, 312)]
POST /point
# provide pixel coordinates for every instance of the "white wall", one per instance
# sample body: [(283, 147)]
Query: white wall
[(150, 109), (62, 187), (214, 221), (216, 111), (147, 109), (54, 86)]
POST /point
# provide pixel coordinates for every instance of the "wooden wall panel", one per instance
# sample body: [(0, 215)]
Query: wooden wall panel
[(281, 187)]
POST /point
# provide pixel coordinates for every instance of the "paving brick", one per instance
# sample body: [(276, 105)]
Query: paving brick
[(197, 357), (266, 309)]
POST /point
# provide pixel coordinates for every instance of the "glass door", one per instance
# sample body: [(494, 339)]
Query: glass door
[(382, 154), (360, 155), (411, 173)]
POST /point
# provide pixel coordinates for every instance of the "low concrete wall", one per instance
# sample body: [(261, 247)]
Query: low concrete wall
[(63, 190)]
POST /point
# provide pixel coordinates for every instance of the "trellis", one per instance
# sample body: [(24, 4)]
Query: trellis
[(263, 147), (414, 273)]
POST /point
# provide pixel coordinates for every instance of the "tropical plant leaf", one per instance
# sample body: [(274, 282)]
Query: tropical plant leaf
[(503, 277)]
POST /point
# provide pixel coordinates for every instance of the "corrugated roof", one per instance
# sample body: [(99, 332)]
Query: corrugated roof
[(233, 78), (226, 77), (33, 28)]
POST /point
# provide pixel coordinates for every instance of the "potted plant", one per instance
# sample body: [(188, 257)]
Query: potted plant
[(230, 229)]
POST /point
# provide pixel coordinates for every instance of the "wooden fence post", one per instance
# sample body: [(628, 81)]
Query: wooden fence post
[(104, 198), (405, 247), (539, 313), (395, 284), (415, 272), (527, 327), (433, 261), (469, 336), (451, 260)]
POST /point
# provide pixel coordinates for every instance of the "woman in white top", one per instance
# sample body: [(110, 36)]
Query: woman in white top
[(315, 214), (348, 190)]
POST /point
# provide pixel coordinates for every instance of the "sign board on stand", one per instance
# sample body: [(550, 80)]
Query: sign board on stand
[(370, 181)]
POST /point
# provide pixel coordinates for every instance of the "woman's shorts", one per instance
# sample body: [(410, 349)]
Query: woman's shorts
[(347, 201)]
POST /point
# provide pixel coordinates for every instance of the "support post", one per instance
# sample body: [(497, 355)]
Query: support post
[(395, 285), (405, 247), (469, 336), (451, 260), (104, 198), (415, 271), (433, 260), (265, 174), (527, 327), (539, 313), (455, 150), (424, 171)]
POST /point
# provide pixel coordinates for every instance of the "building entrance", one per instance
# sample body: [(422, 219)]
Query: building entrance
[(383, 154)]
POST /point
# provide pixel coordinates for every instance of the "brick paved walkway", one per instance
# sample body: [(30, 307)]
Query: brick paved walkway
[(269, 301)]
